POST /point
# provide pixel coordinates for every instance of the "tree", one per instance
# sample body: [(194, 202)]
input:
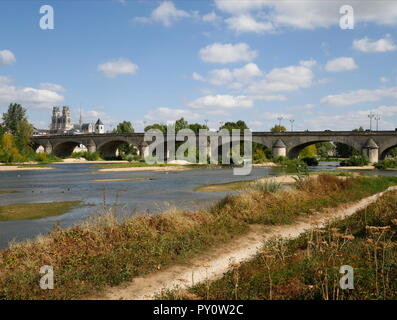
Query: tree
[(344, 150), (124, 127), (9, 153), (15, 114), (156, 126), (278, 128), (358, 129), (23, 136), (240, 124), (195, 127), (309, 151), (325, 149)]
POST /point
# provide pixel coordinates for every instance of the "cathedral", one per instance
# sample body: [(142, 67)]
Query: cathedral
[(61, 123)]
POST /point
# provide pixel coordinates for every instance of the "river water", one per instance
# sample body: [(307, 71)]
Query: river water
[(68, 182)]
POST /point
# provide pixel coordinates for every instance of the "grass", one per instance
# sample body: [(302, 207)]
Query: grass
[(108, 251), (237, 185), (34, 166), (309, 267), (8, 191), (27, 211)]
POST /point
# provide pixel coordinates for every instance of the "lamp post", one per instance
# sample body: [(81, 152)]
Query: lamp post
[(370, 116), (377, 118), (279, 120), (292, 124)]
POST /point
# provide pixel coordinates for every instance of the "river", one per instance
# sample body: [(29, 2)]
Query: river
[(68, 182)]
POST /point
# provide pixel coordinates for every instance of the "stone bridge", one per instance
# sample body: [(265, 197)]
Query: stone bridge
[(374, 144)]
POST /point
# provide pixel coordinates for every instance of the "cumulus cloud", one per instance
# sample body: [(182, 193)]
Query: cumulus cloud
[(369, 45), (234, 78), (220, 101), (246, 23), (211, 17), (227, 53), (166, 13), (6, 57), (27, 96), (341, 64), (274, 116), (310, 14), (52, 87), (284, 79), (359, 96), (113, 68), (168, 114)]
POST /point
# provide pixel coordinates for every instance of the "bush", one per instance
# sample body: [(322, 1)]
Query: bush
[(310, 161), (294, 165), (355, 161), (89, 156), (44, 157), (386, 164)]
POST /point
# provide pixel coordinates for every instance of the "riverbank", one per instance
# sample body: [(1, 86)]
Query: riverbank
[(306, 267), (24, 168), (106, 252)]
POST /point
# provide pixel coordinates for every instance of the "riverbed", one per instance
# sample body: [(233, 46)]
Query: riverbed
[(127, 192)]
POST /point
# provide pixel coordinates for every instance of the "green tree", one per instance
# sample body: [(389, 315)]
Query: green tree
[(23, 136), (156, 126), (278, 128), (15, 114), (196, 127), (344, 150), (309, 151), (358, 129), (240, 124), (325, 149), (124, 127), (9, 153)]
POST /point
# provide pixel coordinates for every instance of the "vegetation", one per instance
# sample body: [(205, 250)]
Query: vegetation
[(389, 163), (308, 267), (25, 211), (294, 165), (8, 191), (89, 156), (355, 161), (310, 161), (106, 251), (278, 128)]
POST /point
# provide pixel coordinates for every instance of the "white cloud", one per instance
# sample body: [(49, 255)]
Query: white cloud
[(6, 57), (274, 116), (168, 114), (359, 96), (308, 63), (368, 45), (221, 102), (27, 96), (52, 87), (113, 68), (234, 78), (211, 17), (383, 79), (246, 23), (341, 64), (289, 78), (311, 14), (166, 13), (227, 53)]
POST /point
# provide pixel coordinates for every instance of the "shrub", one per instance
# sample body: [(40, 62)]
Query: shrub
[(89, 156), (386, 164), (355, 160), (310, 161)]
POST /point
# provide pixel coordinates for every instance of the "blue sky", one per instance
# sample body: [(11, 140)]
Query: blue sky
[(217, 60)]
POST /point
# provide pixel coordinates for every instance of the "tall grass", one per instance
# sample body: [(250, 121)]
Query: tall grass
[(309, 267), (108, 251)]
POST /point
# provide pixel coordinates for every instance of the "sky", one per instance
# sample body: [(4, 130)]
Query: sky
[(209, 61)]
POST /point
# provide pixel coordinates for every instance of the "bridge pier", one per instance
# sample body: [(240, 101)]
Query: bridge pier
[(371, 150), (48, 147), (143, 150), (91, 146), (279, 149)]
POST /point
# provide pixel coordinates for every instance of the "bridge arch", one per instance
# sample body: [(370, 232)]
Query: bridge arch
[(386, 151), (65, 149), (293, 151), (108, 149)]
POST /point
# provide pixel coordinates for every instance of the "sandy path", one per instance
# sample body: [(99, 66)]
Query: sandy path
[(16, 168), (217, 261)]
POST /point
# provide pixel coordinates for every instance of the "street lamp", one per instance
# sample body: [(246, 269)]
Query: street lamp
[(377, 118), (370, 116), (292, 124), (279, 120)]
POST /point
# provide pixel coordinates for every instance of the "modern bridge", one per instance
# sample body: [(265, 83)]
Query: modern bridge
[(374, 144)]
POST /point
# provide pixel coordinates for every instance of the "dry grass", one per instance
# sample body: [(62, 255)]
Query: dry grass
[(107, 251)]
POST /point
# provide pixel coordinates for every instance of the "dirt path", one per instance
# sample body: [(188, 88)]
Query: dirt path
[(217, 261)]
